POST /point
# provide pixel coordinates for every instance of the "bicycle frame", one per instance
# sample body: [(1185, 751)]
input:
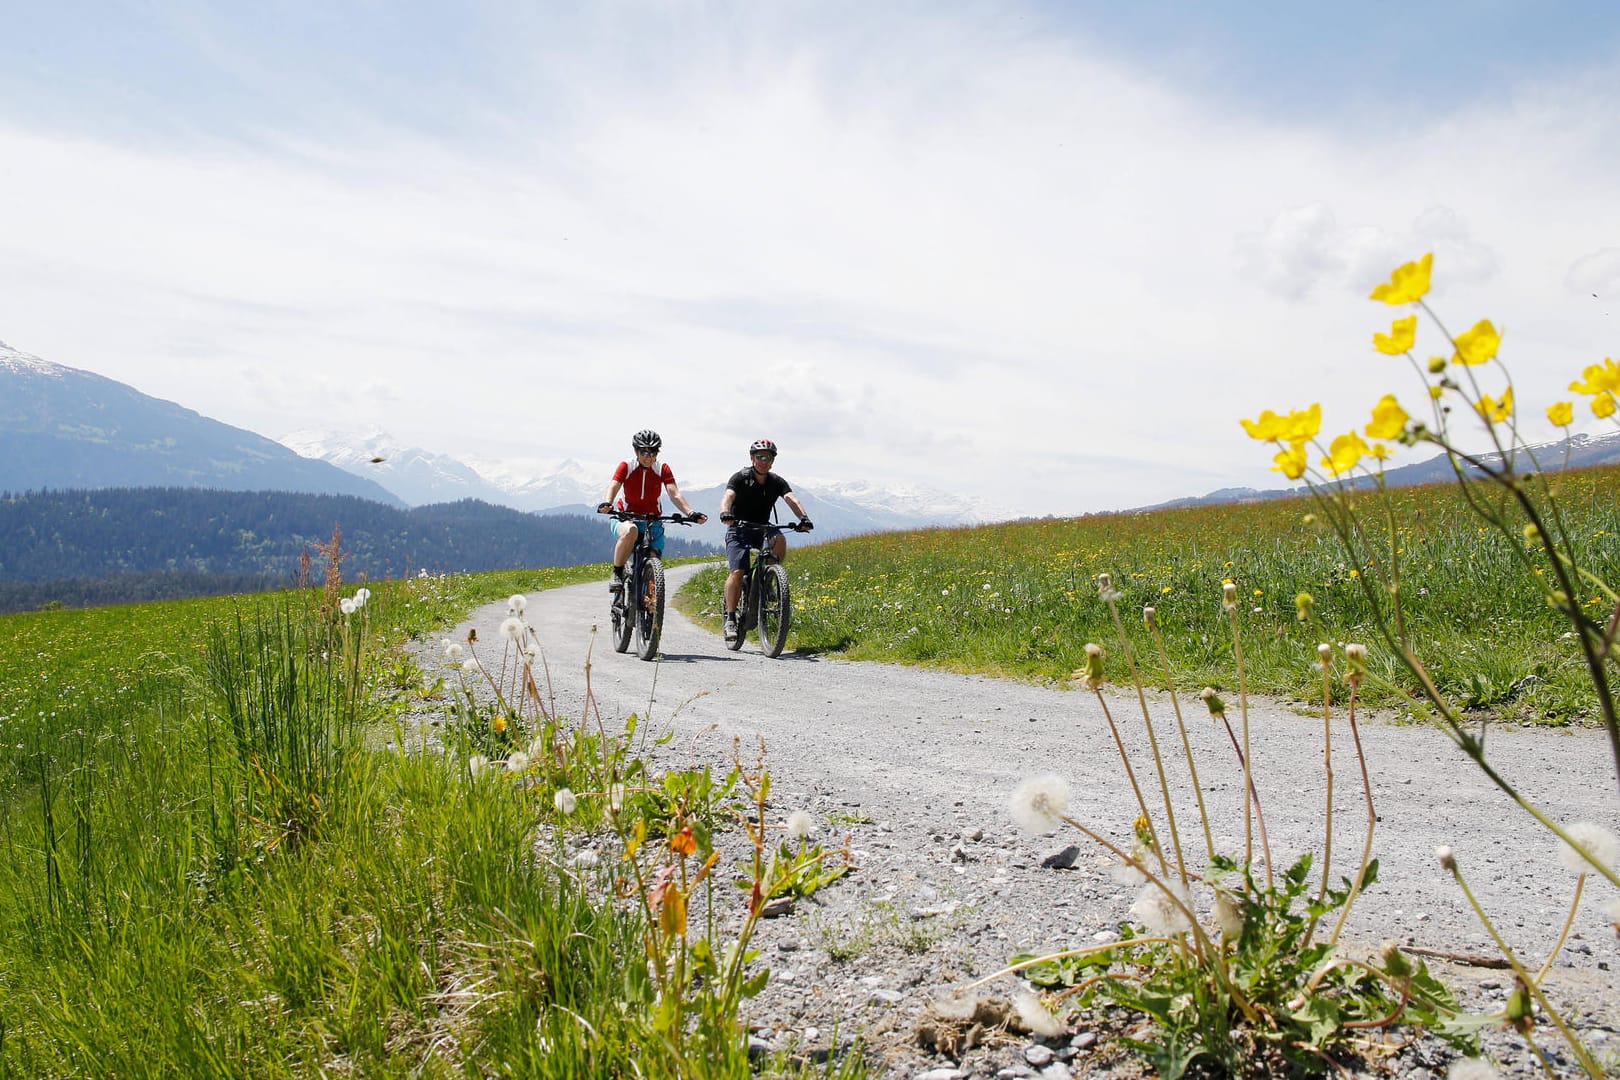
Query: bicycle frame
[(765, 602)]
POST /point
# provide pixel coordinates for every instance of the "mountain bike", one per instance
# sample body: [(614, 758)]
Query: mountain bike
[(638, 608), (765, 601)]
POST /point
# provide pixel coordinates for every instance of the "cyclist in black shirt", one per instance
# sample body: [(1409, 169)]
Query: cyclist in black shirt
[(751, 496)]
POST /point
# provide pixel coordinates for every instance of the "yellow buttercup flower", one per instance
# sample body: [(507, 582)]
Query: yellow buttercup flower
[(1436, 391), (1303, 424), (1345, 451), (1402, 332), (1600, 378), (1298, 426), (1389, 419), (1561, 413), (1291, 462), (1603, 405), (1408, 284), (1495, 411), (1477, 345), (1267, 428)]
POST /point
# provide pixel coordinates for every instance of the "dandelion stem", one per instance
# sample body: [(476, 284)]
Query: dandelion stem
[(1130, 774), (1153, 741), (1251, 809), (1569, 921), (1186, 744), (1372, 821), (1576, 1047)]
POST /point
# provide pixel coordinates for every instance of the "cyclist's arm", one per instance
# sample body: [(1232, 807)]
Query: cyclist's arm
[(613, 492), (795, 505), (726, 500), (679, 500)]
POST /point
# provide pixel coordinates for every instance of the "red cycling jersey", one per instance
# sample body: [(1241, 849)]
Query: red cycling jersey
[(642, 487)]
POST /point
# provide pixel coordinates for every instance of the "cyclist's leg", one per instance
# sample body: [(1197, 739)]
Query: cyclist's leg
[(655, 532), (627, 534)]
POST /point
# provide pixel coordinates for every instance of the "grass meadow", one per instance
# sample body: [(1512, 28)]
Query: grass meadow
[(210, 867), (1021, 599)]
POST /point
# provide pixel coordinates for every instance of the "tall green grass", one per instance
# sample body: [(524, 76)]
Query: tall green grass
[(207, 867), (1021, 598)]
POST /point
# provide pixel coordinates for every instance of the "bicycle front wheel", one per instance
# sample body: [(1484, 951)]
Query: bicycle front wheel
[(650, 609), (775, 610)]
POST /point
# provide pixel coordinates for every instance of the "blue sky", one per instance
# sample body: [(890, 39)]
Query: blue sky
[(1040, 254)]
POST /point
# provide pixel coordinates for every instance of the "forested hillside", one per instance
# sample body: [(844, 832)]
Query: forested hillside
[(125, 544)]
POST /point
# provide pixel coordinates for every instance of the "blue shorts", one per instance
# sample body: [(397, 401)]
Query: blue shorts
[(655, 529), (739, 539)]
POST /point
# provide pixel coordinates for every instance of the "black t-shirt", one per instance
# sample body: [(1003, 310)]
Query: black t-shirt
[(753, 500)]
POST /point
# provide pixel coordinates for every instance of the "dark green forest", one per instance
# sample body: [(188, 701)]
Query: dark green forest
[(125, 545)]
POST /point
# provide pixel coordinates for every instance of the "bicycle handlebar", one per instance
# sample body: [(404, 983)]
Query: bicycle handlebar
[(791, 527), (626, 515)]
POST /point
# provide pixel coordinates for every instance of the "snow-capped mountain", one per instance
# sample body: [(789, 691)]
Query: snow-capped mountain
[(840, 508), (67, 428)]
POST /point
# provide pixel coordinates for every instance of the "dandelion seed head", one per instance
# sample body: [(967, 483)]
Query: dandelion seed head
[(517, 761), (470, 666), (1228, 915), (347, 606), (1035, 1017), (1595, 840), (1448, 861), (476, 763), (361, 595), (512, 628), (564, 801), (516, 603), (800, 824), (615, 798), (1229, 595), (1473, 1068), (1158, 913), (1038, 804), (452, 650)]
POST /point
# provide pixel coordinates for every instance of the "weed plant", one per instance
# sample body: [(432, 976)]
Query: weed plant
[(1229, 957)]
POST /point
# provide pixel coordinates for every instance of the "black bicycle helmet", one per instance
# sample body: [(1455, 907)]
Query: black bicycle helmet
[(762, 445), (646, 440)]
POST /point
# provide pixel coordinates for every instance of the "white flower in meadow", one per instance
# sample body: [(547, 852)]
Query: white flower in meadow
[(1228, 915), (1593, 839), (517, 761), (615, 797), (1038, 803), (516, 603), (476, 763), (985, 586), (512, 628), (1158, 913), (1473, 1068), (346, 606), (361, 595), (564, 801), (800, 824), (470, 666)]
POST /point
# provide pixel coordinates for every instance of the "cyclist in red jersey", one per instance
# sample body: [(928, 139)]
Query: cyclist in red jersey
[(642, 485)]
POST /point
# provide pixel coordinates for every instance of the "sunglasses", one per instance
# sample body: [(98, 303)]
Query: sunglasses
[(646, 453), (764, 457)]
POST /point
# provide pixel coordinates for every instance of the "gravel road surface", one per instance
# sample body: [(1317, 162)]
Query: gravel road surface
[(914, 767)]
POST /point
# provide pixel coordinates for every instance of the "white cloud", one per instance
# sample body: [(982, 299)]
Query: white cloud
[(976, 255)]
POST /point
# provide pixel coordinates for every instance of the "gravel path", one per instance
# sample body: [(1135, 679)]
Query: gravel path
[(915, 767)]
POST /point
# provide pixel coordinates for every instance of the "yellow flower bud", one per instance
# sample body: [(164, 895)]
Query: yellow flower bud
[(1094, 669), (1150, 618), (1395, 963), (1437, 364), (1532, 535), (1303, 605)]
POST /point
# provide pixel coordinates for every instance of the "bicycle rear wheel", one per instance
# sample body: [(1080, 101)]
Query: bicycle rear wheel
[(650, 609), (775, 610)]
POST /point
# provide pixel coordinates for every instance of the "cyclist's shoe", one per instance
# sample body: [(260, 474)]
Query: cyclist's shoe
[(730, 632), (616, 580)]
